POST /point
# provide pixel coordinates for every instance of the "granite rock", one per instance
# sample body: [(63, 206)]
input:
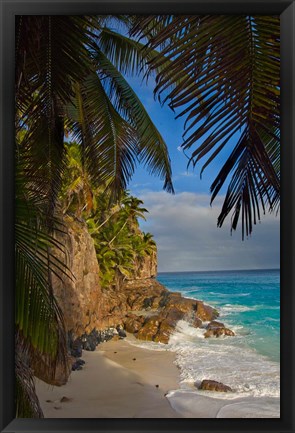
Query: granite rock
[(213, 385)]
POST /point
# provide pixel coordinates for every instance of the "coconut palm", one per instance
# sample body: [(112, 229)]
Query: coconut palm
[(40, 333), (115, 252), (118, 241), (76, 194), (131, 210), (223, 71), (67, 85), (231, 97), (149, 244), (143, 245)]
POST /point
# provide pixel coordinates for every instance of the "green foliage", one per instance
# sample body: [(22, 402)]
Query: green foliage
[(223, 71), (231, 91), (38, 319), (27, 404), (63, 87), (120, 245), (76, 194), (66, 82)]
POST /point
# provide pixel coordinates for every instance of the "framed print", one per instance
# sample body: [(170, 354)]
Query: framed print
[(146, 225)]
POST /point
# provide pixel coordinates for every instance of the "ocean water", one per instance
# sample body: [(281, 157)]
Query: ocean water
[(249, 304)]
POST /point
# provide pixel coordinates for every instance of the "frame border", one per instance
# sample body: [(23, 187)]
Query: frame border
[(8, 10)]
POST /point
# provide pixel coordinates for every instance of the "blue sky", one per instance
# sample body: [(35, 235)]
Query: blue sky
[(184, 179), (184, 225)]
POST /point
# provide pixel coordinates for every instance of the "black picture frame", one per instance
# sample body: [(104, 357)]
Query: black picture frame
[(10, 8)]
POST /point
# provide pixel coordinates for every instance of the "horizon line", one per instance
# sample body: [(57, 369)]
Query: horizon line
[(219, 270)]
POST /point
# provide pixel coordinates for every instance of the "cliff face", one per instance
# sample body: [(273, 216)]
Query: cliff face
[(80, 295), (85, 305), (147, 268), (140, 305)]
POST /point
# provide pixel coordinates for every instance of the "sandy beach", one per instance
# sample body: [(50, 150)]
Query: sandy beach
[(118, 380)]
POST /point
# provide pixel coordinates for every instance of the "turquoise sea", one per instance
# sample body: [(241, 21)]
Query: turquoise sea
[(249, 304)]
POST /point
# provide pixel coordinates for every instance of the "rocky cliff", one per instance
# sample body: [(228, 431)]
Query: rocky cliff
[(85, 305), (141, 306), (146, 268), (79, 295)]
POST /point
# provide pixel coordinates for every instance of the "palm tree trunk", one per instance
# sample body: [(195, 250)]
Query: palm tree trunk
[(112, 240)]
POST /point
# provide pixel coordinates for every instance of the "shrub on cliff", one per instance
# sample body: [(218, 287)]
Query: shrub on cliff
[(120, 245)]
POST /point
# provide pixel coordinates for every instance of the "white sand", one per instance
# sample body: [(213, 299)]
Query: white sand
[(193, 405), (113, 385), (119, 381)]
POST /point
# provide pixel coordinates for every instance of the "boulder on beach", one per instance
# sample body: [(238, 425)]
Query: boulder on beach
[(217, 329), (213, 385)]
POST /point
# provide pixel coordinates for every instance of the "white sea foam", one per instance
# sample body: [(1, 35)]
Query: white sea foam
[(149, 345), (239, 330), (224, 359), (184, 330), (243, 369), (232, 295), (191, 290), (269, 319), (252, 408), (235, 308), (248, 362), (193, 405)]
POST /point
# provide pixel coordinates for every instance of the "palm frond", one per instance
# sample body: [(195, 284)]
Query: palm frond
[(251, 170), (233, 66), (38, 319), (108, 141), (125, 54), (27, 403), (152, 150), (58, 90)]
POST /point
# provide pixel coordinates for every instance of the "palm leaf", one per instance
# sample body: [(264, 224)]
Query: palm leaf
[(109, 142), (38, 318), (233, 65), (27, 403), (57, 89), (152, 149)]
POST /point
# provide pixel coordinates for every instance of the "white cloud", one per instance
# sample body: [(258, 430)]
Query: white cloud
[(189, 174), (185, 229)]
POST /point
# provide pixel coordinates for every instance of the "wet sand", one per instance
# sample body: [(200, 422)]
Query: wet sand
[(118, 381)]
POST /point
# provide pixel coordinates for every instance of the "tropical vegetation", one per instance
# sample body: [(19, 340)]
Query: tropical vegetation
[(220, 72), (121, 246)]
